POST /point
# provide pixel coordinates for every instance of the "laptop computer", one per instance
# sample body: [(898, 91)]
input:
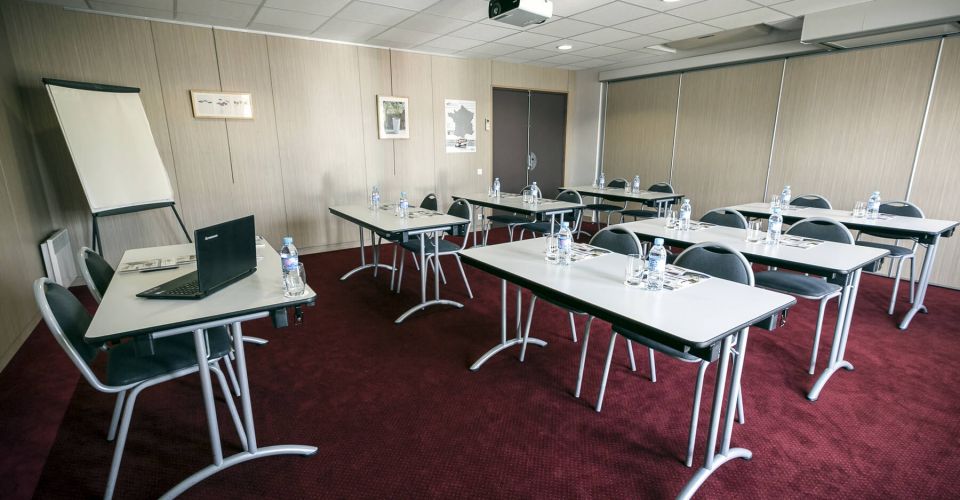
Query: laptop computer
[(226, 253)]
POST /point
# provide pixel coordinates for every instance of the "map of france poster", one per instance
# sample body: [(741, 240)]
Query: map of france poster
[(461, 125)]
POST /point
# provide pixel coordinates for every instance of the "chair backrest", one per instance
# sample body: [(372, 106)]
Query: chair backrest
[(462, 209), (429, 202), (902, 208), (811, 200), (617, 240), (725, 217), (68, 321), (619, 182), (822, 228), (661, 187), (97, 272), (571, 196), (717, 260)]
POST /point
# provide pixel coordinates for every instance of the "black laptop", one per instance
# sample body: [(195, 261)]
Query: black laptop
[(226, 253)]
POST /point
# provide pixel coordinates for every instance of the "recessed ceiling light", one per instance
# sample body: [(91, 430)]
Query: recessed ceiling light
[(669, 1), (565, 46), (663, 48)]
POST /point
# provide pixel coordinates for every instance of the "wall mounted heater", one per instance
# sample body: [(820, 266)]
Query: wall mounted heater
[(58, 258)]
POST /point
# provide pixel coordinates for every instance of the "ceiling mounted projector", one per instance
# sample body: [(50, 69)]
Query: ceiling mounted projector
[(521, 12)]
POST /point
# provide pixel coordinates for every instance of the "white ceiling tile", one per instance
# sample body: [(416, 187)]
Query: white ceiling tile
[(604, 36), (663, 6), (613, 13), (567, 8), (468, 10), (768, 2), (404, 4), (652, 24), (289, 19), (78, 4), (269, 28), (639, 42), (564, 28), (432, 24), (372, 13), (595, 63), (211, 20), (712, 9), (525, 39), (495, 49), (453, 42), (348, 31), (394, 44), (324, 8), (133, 10), (217, 9), (748, 18), (509, 59), (803, 7), (485, 32), (564, 59), (598, 51), (406, 36), (688, 31), (533, 54)]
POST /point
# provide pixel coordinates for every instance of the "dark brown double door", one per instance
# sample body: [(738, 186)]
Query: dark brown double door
[(529, 133)]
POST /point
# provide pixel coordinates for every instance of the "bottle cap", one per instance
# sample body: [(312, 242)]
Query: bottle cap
[(565, 224), (658, 241), (287, 240)]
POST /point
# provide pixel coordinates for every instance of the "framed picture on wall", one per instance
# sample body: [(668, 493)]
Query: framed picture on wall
[(217, 104), (392, 117), (460, 120)]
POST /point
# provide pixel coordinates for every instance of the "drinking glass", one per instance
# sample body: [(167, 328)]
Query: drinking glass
[(260, 244), (754, 232), (860, 209), (527, 196), (553, 247), (295, 282), (634, 271), (671, 219)]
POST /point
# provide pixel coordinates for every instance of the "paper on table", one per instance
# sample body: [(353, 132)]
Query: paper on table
[(156, 264)]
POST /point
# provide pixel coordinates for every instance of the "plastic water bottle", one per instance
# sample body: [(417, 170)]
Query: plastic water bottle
[(534, 190), (785, 197), (685, 211), (496, 187), (656, 265), (403, 205), (635, 187), (565, 244), (774, 225), (375, 198), (601, 181), (289, 259), (873, 206)]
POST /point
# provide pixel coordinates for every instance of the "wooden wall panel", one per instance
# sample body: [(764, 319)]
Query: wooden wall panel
[(937, 176), (415, 157), (724, 134), (254, 153), (520, 76), (375, 79), (320, 134), (639, 130), (849, 122)]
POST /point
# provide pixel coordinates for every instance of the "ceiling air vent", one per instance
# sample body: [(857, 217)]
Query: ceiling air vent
[(721, 38)]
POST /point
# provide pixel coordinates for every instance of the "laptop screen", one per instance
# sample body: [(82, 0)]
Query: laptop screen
[(225, 251)]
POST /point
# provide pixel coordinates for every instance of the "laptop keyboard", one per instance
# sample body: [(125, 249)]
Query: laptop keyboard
[(186, 289)]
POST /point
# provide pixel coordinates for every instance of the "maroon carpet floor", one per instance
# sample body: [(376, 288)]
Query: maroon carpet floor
[(396, 413)]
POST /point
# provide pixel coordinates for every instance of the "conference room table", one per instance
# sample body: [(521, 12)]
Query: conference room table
[(419, 224), (672, 317), (662, 200), (511, 202), (840, 263), (121, 314), (927, 231)]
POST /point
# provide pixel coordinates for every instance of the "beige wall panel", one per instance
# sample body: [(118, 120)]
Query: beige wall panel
[(521, 76), (724, 134), (254, 154), (415, 156), (375, 80), (849, 122), (638, 135), (466, 79), (937, 174), (320, 132)]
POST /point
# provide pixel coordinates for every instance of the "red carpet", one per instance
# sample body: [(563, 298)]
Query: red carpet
[(396, 413)]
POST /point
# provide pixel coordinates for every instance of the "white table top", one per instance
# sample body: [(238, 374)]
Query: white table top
[(386, 221), (514, 203), (845, 217), (826, 257), (698, 315), (620, 194), (123, 314)]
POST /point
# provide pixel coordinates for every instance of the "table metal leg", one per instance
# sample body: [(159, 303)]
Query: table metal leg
[(924, 282), (847, 301), (504, 343), (424, 303), (363, 258), (252, 451)]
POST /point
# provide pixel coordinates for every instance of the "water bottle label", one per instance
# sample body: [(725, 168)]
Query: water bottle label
[(290, 263), (564, 243)]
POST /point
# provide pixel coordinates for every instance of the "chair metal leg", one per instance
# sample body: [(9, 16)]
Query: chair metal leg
[(403, 258), (913, 284), (393, 266), (583, 356), (697, 395), (606, 370), (633, 361), (526, 330), (653, 367), (896, 285), (117, 410), (740, 418), (443, 277), (464, 274), (520, 238), (233, 377), (816, 335), (573, 326)]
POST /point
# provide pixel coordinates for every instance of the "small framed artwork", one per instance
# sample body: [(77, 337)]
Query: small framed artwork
[(217, 104), (393, 117), (460, 118)]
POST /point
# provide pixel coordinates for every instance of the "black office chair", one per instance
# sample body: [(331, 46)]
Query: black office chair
[(127, 374), (510, 220), (429, 202), (725, 217), (543, 226), (898, 254), (608, 208), (645, 213), (96, 271), (459, 208), (812, 201), (717, 260), (809, 287)]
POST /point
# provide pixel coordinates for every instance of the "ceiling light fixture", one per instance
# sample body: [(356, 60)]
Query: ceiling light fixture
[(565, 46), (669, 1), (663, 48)]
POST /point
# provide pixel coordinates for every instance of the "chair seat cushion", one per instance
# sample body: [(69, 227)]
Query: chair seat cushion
[(508, 219), (653, 344), (603, 207), (895, 250), (639, 213), (795, 284), (541, 227), (170, 354), (413, 244)]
